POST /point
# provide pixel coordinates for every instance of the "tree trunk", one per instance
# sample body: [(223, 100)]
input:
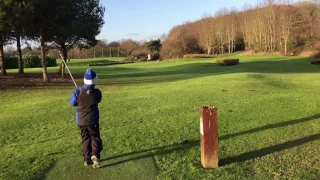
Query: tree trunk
[(94, 52), (20, 62), (43, 60), (285, 46), (65, 57), (2, 63), (102, 52), (209, 50)]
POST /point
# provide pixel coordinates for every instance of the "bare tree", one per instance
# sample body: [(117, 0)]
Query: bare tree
[(272, 25), (288, 21), (206, 34), (128, 46), (221, 29)]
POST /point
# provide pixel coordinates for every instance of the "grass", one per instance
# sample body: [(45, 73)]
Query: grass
[(268, 109)]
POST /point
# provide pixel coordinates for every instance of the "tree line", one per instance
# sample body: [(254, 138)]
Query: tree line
[(58, 24), (270, 26), (125, 48)]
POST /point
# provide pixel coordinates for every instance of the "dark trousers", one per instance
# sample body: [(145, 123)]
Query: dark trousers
[(91, 141)]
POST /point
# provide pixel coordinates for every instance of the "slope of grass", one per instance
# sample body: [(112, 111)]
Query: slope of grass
[(268, 121)]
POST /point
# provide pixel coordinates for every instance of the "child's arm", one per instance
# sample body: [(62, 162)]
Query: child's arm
[(99, 95), (74, 98)]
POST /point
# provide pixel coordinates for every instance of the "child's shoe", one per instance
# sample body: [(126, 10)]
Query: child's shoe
[(95, 161), (87, 163)]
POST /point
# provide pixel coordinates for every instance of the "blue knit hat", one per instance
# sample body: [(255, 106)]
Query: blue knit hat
[(90, 77)]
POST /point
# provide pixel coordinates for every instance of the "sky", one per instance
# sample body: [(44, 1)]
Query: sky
[(148, 19)]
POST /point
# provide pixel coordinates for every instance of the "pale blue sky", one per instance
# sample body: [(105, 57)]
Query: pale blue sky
[(149, 19)]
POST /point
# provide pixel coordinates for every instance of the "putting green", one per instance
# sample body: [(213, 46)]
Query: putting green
[(132, 166)]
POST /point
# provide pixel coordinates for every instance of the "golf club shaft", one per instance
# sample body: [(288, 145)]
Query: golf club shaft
[(68, 70)]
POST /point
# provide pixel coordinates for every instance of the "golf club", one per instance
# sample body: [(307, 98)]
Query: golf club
[(68, 70)]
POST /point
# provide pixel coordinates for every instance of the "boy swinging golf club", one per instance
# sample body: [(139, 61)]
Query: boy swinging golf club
[(86, 99)]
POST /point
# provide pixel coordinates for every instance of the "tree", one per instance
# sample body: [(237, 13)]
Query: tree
[(128, 46), (244, 22), (288, 21), (4, 39), (154, 46), (78, 26), (114, 44), (206, 34), (5, 35), (17, 16), (272, 25), (221, 29), (102, 44), (45, 17)]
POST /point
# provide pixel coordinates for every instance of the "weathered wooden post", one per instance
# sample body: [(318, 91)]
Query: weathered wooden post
[(209, 136), (149, 57)]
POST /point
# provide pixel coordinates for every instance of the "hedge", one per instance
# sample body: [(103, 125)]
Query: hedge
[(51, 61), (228, 62), (196, 56), (29, 62), (109, 63), (11, 62)]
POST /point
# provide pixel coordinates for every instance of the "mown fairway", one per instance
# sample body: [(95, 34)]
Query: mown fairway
[(269, 122)]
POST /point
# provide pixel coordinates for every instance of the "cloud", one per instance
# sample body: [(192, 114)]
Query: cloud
[(133, 34)]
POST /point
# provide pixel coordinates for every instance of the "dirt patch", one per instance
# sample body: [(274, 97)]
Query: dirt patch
[(34, 80)]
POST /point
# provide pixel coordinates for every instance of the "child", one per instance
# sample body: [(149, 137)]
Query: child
[(86, 99)]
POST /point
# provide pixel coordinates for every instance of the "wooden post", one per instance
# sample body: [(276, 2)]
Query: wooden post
[(102, 52), (149, 57), (209, 136)]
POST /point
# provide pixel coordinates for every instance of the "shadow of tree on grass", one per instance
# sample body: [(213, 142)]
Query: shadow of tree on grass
[(187, 144), (196, 70)]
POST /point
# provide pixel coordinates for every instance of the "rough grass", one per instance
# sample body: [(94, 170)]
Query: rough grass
[(269, 121)]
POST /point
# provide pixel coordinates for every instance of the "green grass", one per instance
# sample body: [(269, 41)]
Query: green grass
[(269, 121)]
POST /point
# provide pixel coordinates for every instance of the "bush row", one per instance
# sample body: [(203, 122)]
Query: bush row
[(109, 63), (196, 56), (228, 62), (29, 61)]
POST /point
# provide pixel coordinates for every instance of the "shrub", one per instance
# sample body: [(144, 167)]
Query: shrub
[(51, 61), (140, 55), (129, 58), (109, 63), (155, 56), (143, 58), (228, 62), (30, 61), (315, 62), (11, 62), (196, 56)]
